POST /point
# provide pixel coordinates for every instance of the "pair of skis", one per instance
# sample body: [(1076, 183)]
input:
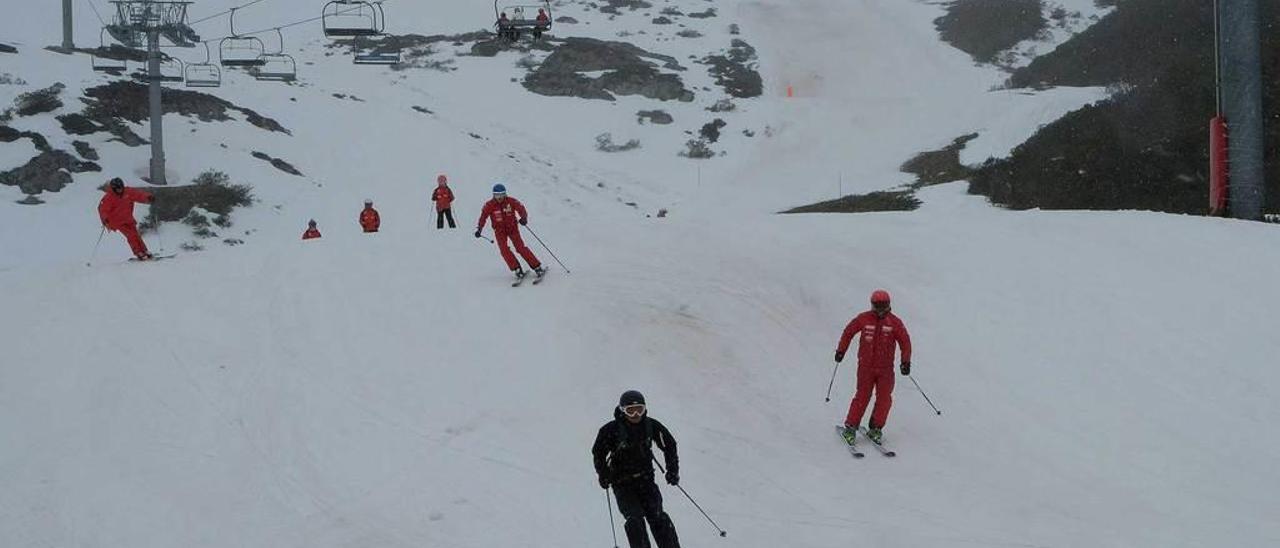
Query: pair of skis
[(852, 439), (537, 279)]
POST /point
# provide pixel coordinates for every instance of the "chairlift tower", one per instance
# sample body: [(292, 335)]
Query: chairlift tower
[(152, 19)]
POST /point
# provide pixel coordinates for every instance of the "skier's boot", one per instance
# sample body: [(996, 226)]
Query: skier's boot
[(850, 433), (875, 435), (519, 272), (540, 271)]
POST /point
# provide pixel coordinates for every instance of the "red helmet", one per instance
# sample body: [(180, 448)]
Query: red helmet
[(442, 179), (879, 296)]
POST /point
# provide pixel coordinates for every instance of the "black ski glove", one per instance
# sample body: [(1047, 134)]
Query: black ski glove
[(524, 222), (839, 357), (673, 478), (604, 482), (906, 368), (477, 233)]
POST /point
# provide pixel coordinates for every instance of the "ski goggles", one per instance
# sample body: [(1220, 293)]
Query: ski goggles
[(633, 410)]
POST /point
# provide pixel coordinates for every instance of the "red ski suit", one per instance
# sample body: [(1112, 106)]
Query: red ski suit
[(116, 212), (370, 220), (443, 197), (311, 233), (878, 337), (506, 215)]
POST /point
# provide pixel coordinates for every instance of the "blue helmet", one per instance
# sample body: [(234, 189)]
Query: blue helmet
[(499, 188)]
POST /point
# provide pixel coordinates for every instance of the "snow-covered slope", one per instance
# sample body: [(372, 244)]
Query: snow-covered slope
[(1104, 376)]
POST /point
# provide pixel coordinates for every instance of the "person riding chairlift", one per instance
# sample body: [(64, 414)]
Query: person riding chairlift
[(543, 19)]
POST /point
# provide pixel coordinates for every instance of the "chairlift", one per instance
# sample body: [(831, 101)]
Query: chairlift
[(172, 70), (277, 66), (512, 20), (204, 75), (240, 51), (353, 18), (377, 58), (114, 67)]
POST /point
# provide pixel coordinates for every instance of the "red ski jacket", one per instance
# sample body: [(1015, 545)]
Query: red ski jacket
[(443, 197), (116, 211), (369, 220), (311, 234), (503, 214), (878, 337)]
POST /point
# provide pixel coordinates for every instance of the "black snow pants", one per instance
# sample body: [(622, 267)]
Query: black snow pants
[(441, 215), (639, 500)]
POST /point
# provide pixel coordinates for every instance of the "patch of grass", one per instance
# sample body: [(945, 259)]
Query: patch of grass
[(984, 28), (211, 191), (935, 167), (888, 200)]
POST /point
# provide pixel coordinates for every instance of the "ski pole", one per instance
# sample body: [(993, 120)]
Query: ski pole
[(833, 380), (612, 526), (686, 495), (94, 255), (926, 396), (544, 246), (486, 238)]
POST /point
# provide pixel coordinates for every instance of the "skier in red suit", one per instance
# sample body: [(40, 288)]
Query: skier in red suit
[(312, 232), (116, 212), (443, 197), (506, 215), (880, 332), (369, 218)]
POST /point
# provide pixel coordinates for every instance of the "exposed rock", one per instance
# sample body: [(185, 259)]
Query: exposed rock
[(711, 12), (689, 33), (423, 110), (661, 21), (39, 101), (5, 48), (723, 105), (49, 171), (659, 117), (567, 20), (85, 150), (711, 130), (9, 135), (628, 72), (736, 70), (79, 124), (129, 101), (30, 200), (278, 163), (604, 143), (7, 79), (697, 149)]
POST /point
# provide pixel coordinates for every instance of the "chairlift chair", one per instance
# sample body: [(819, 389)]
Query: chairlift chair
[(353, 18), (377, 58), (114, 67), (240, 51), (277, 66), (204, 75), (522, 18)]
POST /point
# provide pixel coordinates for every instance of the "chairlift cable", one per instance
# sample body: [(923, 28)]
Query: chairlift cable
[(293, 24), (224, 12), (96, 12)]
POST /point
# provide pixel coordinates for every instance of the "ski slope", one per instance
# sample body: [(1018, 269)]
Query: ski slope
[(1104, 377)]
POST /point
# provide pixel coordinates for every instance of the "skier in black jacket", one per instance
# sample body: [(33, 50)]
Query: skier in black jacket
[(623, 455)]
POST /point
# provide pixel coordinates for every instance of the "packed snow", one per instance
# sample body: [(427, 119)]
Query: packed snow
[(1105, 377)]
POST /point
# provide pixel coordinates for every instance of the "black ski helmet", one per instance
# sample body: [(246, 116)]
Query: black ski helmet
[(631, 397), (116, 184)]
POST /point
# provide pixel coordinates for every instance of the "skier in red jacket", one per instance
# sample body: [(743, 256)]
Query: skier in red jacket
[(312, 232), (369, 218), (443, 197), (116, 212), (507, 214), (878, 330)]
